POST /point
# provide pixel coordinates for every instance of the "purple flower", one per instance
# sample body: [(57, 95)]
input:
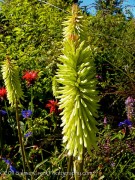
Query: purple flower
[(13, 169), (98, 76), (3, 113), (105, 120), (6, 161), (129, 100), (28, 134), (126, 122), (112, 164), (26, 113)]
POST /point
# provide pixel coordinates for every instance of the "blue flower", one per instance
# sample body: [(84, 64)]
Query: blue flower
[(13, 169), (28, 134), (6, 161), (26, 113), (3, 113), (126, 122)]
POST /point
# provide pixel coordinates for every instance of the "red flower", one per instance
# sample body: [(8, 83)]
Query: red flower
[(3, 93), (30, 77), (53, 106)]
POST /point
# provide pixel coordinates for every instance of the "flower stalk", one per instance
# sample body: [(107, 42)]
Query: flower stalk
[(69, 167), (14, 94), (76, 90), (20, 138), (31, 103), (0, 134)]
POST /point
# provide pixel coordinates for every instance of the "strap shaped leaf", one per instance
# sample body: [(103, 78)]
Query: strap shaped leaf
[(10, 72)]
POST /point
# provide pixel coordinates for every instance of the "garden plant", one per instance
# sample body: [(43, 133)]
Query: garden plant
[(67, 83)]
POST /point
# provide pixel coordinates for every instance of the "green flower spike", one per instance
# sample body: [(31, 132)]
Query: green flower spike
[(11, 78), (76, 88)]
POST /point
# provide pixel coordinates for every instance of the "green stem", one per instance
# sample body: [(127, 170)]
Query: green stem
[(78, 168), (42, 155), (32, 107), (69, 167), (7, 110), (32, 176), (20, 139), (24, 158), (1, 135)]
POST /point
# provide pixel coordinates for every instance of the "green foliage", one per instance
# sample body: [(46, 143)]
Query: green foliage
[(39, 126), (112, 38), (114, 158), (109, 6), (33, 32)]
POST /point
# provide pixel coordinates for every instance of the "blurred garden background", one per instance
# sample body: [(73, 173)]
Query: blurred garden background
[(31, 42)]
